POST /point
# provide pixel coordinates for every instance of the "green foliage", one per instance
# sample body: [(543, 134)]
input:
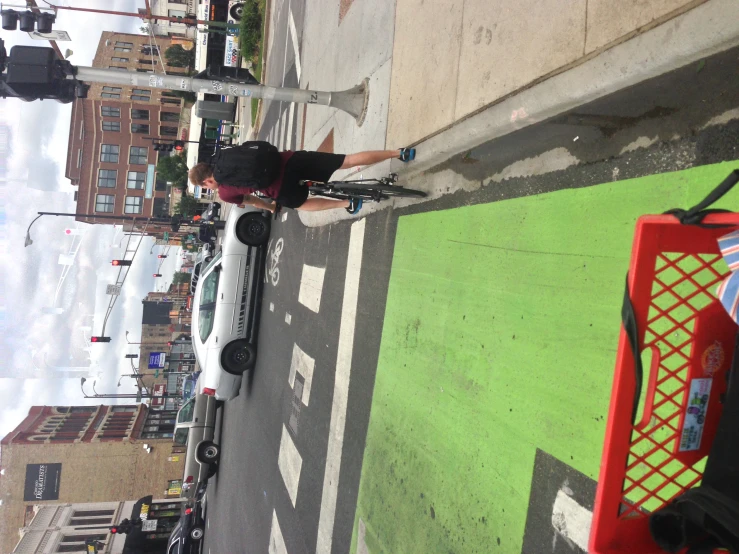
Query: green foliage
[(177, 56), (181, 277), (173, 169), (189, 96), (250, 29), (187, 206)]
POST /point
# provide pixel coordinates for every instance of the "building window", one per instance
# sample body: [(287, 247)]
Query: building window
[(152, 50), (138, 98), (142, 91), (140, 114), (112, 95), (110, 111), (107, 178), (121, 49), (170, 101), (83, 409), (92, 513), (89, 521), (176, 13), (146, 62), (124, 44), (144, 70), (169, 116), (134, 204), (117, 67), (128, 409), (114, 59), (112, 89), (104, 203), (138, 155), (136, 180), (167, 131), (139, 128), (112, 126), (109, 153)]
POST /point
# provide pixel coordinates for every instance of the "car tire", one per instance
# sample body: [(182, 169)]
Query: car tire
[(208, 452), (238, 356), (237, 11), (196, 533), (253, 229)]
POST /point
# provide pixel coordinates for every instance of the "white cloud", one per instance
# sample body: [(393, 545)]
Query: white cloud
[(34, 181)]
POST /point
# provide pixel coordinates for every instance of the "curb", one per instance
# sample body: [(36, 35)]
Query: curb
[(703, 31)]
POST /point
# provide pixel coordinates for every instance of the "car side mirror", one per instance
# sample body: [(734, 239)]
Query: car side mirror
[(217, 268)]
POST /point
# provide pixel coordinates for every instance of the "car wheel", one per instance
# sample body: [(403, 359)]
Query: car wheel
[(208, 452), (237, 11), (253, 229), (196, 533), (238, 356)]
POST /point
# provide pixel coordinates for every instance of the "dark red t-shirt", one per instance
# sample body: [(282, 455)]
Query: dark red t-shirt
[(235, 194)]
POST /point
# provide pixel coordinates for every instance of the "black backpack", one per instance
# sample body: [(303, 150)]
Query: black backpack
[(255, 164)]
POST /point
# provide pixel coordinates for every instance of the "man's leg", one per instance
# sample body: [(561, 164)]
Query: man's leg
[(368, 158), (320, 204)]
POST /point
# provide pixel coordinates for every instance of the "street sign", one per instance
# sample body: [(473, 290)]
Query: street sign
[(53, 35), (166, 235), (156, 373), (113, 290), (149, 525)]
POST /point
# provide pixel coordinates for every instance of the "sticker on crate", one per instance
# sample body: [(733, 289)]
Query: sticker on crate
[(695, 414)]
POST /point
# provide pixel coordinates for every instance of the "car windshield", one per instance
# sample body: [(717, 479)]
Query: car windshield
[(186, 412), (180, 436), (215, 260), (208, 292)]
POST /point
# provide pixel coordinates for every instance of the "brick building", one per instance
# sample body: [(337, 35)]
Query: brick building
[(110, 156), (69, 454)]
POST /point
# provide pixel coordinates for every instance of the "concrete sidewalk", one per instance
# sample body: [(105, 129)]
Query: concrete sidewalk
[(433, 64)]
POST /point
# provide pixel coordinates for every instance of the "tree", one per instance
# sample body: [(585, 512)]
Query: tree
[(189, 96), (177, 56), (181, 277), (187, 206), (173, 169)]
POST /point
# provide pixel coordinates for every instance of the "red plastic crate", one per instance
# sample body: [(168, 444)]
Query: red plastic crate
[(674, 272)]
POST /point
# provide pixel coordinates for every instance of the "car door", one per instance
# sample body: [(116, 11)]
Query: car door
[(188, 433)]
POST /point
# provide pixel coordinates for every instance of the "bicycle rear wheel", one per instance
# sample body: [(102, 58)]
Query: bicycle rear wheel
[(352, 188)]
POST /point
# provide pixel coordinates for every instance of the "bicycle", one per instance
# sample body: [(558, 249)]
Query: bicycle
[(373, 190)]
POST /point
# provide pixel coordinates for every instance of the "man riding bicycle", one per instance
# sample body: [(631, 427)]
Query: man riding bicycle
[(238, 172)]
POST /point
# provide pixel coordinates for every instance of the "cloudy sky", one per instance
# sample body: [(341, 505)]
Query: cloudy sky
[(33, 149)]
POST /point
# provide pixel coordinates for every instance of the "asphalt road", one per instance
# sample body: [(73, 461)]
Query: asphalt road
[(275, 437)]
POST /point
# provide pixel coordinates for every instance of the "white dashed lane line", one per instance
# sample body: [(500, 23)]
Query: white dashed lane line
[(303, 364), (276, 541), (290, 463), (311, 286), (288, 318)]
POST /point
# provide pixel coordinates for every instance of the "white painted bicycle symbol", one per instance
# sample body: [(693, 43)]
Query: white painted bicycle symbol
[(272, 272)]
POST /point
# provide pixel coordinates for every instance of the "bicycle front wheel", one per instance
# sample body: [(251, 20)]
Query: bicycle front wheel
[(385, 190)]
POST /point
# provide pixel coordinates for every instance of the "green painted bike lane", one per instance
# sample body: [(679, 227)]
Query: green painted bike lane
[(499, 338)]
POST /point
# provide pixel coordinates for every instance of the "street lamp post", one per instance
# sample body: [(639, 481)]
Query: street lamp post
[(125, 395)]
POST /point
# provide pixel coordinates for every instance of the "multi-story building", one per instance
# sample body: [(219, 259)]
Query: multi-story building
[(173, 8), (110, 157), (71, 454)]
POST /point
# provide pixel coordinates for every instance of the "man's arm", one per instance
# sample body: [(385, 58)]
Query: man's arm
[(251, 200)]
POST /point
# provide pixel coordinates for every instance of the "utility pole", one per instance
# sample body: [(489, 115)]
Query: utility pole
[(36, 73)]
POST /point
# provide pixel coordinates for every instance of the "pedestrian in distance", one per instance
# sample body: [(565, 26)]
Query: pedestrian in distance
[(257, 166)]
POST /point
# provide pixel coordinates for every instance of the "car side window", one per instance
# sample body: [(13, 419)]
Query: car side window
[(186, 412), (180, 436), (208, 293)]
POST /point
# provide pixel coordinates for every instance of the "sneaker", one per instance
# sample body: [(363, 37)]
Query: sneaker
[(355, 204), (407, 154)]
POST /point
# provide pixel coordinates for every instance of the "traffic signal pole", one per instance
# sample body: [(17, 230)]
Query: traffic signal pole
[(353, 101)]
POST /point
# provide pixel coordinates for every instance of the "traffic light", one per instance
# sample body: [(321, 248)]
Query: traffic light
[(121, 262), (179, 145), (163, 147), (99, 339), (157, 275), (162, 256), (29, 21), (170, 343)]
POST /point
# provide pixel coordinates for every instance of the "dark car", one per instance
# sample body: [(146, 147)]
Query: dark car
[(188, 533), (212, 212)]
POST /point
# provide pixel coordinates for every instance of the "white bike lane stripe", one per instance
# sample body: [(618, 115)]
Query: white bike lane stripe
[(276, 540), (311, 286), (303, 364), (341, 389), (290, 462)]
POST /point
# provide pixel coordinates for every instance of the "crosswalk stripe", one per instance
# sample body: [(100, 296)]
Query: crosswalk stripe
[(311, 287), (290, 463), (303, 364), (291, 117), (341, 389), (294, 36), (283, 122), (276, 540)]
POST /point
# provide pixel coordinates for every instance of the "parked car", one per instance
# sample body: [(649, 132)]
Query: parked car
[(195, 428), (205, 255), (190, 529), (227, 304)]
